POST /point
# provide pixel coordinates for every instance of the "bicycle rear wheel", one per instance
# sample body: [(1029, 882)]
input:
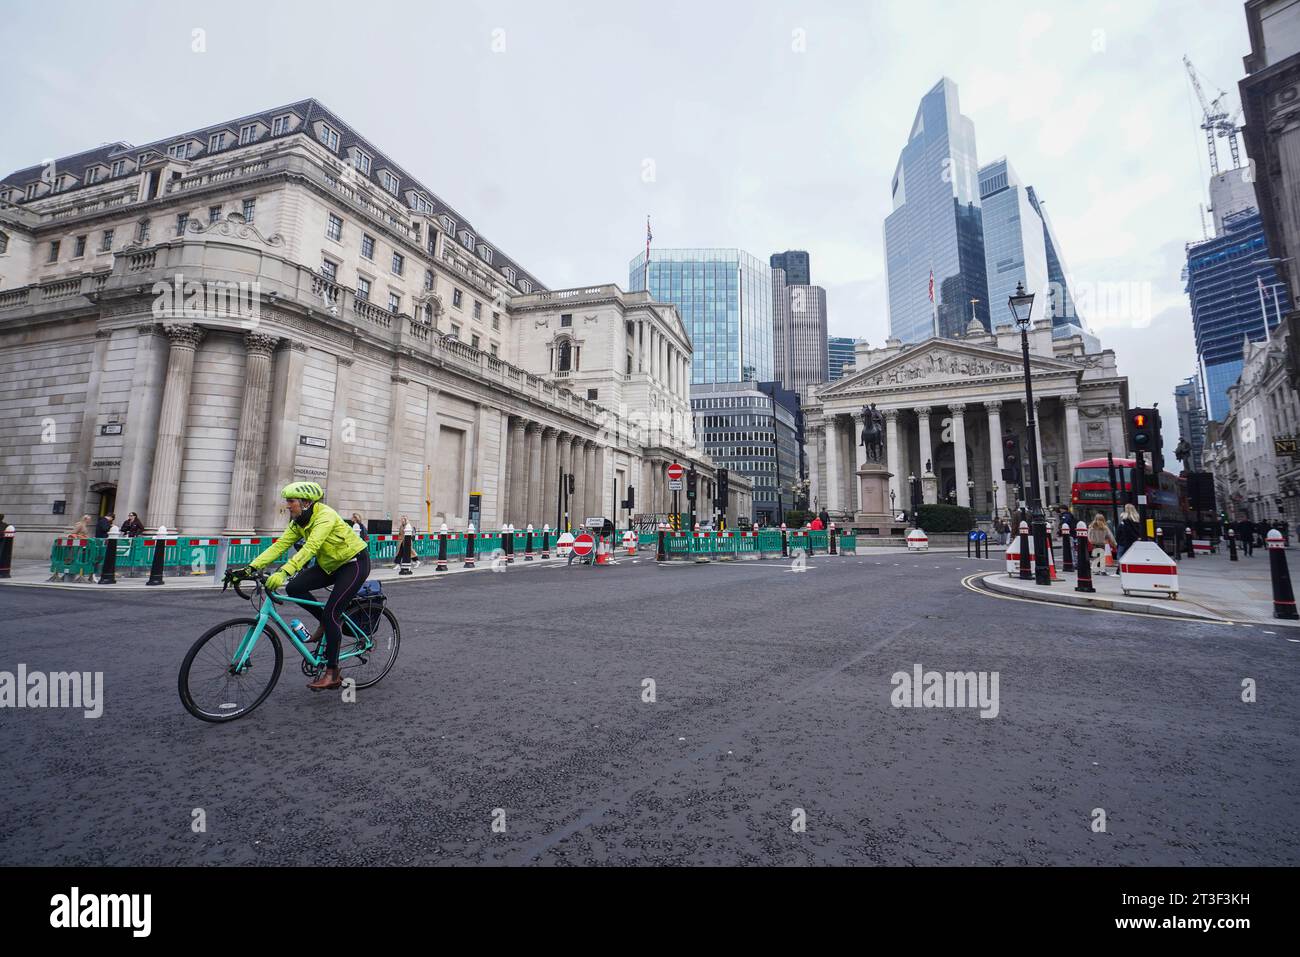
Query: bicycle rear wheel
[(209, 687), (369, 667)]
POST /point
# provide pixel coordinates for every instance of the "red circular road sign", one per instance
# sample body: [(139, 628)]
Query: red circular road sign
[(583, 544), (675, 472)]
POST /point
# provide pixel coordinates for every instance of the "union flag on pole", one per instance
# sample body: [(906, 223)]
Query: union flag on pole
[(932, 285)]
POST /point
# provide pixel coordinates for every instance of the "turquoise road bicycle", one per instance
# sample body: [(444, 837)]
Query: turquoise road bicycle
[(231, 669)]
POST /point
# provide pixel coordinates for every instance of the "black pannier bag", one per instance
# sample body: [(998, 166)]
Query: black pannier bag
[(367, 607)]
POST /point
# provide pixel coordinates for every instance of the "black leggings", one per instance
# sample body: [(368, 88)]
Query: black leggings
[(347, 581)]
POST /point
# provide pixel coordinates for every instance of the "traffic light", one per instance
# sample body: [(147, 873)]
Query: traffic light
[(1144, 434), (1011, 459), (724, 490), (631, 498), (572, 484), (1158, 449), (691, 484)]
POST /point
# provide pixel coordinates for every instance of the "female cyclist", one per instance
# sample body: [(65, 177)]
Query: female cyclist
[(342, 560)]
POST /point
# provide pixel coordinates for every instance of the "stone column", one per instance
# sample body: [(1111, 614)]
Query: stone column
[(518, 470), (832, 463), (550, 471), (579, 470), (1000, 497), (1115, 429), (165, 486), (1038, 429), (393, 504), (812, 442), (591, 489), (337, 449), (892, 461), (282, 449), (1073, 440), (959, 453), (926, 446), (250, 445), (533, 510), (142, 420)]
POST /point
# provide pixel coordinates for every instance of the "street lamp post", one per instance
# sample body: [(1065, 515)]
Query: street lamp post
[(1022, 307), (893, 509), (995, 501)]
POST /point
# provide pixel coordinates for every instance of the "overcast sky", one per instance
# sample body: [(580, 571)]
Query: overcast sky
[(555, 127)]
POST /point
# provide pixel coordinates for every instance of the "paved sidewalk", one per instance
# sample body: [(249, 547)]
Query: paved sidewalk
[(36, 573), (1210, 588)]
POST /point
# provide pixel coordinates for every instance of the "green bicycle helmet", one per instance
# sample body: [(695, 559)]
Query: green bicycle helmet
[(308, 491)]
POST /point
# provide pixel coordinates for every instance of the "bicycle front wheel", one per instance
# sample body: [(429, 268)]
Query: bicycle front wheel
[(210, 686)]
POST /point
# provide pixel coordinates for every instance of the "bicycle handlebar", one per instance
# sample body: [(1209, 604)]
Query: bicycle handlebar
[(258, 577)]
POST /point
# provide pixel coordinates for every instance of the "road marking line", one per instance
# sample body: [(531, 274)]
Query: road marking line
[(966, 583)]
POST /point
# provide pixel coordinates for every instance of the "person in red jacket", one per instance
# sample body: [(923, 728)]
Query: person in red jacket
[(817, 525)]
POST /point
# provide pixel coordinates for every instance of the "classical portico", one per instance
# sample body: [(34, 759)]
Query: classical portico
[(949, 402)]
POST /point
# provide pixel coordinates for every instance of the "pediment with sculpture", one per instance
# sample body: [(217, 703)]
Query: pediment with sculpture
[(942, 363)]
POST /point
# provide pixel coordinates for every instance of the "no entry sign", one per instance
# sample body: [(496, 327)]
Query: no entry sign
[(675, 475), (583, 544)]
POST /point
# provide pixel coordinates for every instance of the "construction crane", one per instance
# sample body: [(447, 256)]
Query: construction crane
[(1217, 122)]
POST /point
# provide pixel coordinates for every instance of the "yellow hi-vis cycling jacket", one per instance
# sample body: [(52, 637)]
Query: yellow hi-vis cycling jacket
[(330, 540)]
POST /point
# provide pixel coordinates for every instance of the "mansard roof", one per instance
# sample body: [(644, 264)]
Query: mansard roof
[(310, 111)]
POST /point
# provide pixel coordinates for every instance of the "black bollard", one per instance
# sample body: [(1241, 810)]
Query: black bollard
[(469, 547), (546, 541), (1025, 573), (508, 543), (785, 542), (108, 571), (1160, 539), (156, 569), (1067, 551), (1191, 546), (661, 554), (1084, 564), (528, 545), (1232, 546), (1283, 595), (442, 551), (830, 540), (6, 551), (970, 537)]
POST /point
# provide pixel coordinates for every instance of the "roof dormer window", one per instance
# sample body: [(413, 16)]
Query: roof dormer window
[(526, 286), (422, 204), (281, 125), (180, 151), (247, 133), (92, 174), (119, 167), (330, 137), (389, 182), (216, 142), (485, 252), (447, 224), (361, 161), (509, 273), (467, 239)]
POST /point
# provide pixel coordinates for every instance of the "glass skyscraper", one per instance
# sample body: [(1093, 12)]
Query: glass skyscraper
[(1231, 294), (795, 262), (936, 226), (839, 353), (724, 297)]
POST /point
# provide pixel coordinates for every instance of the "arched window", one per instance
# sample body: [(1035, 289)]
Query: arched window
[(565, 351)]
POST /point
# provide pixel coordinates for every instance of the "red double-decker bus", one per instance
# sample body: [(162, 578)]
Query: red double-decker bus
[(1166, 494)]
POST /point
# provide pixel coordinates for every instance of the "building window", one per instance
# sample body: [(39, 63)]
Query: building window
[(566, 321), (247, 134), (180, 151), (394, 303), (217, 141), (330, 138), (31, 190), (279, 125), (141, 159), (334, 228), (455, 331), (399, 264), (329, 269), (496, 321), (181, 220), (455, 298), (422, 204), (4, 243), (250, 209), (428, 313), (142, 231), (79, 247), (493, 349), (106, 243), (389, 182), (473, 341), (593, 395), (92, 175), (54, 252), (565, 357), (367, 246), (119, 167), (428, 279), (362, 162), (214, 214), (363, 289), (478, 309)]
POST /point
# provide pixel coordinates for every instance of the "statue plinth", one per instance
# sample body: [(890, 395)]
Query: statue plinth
[(929, 489), (875, 517)]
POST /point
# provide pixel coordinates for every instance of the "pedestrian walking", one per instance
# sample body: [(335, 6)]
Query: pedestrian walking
[(817, 525), (132, 527), (1130, 529), (1099, 536), (1245, 536), (103, 525), (83, 529), (359, 526), (825, 516)]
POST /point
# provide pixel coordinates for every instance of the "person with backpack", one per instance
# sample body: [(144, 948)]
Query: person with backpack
[(1130, 529)]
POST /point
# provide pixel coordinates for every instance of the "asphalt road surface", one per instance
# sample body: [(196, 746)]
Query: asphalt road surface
[(518, 701)]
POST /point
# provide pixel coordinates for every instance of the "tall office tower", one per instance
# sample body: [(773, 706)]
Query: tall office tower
[(798, 271), (1021, 246), (936, 227), (1191, 419), (724, 297), (798, 325), (1234, 293), (1231, 192), (839, 353)]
